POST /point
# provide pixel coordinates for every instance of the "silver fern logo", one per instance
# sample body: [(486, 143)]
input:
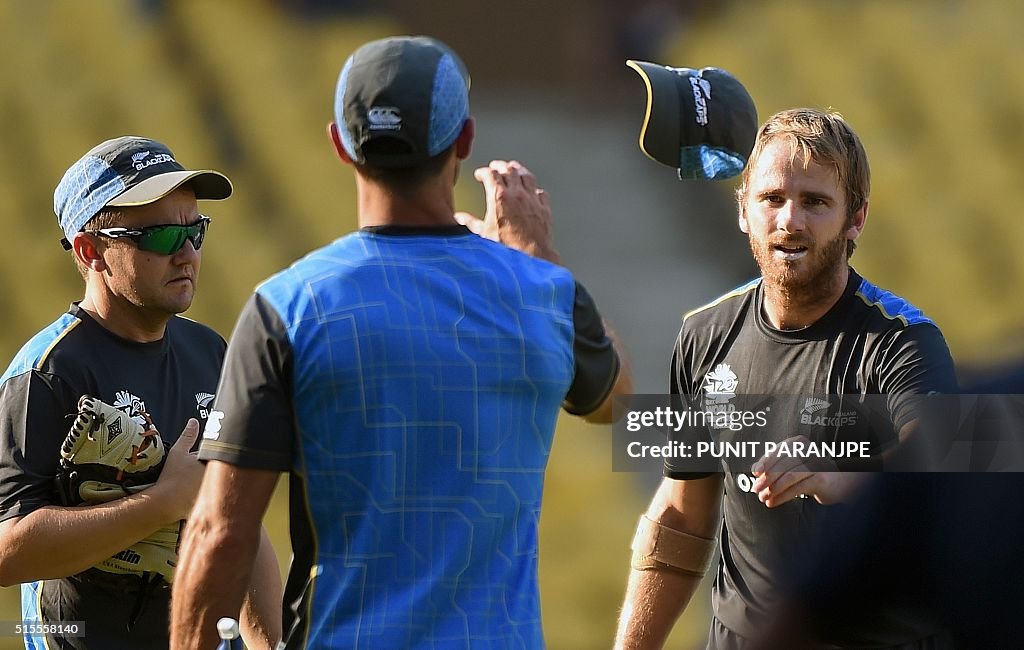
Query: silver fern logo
[(814, 413), (139, 161), (203, 402), (813, 405)]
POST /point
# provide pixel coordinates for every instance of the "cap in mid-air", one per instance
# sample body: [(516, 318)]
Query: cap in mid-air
[(122, 172), (702, 122), (401, 101)]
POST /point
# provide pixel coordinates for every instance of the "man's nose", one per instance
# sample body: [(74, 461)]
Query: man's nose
[(187, 253), (790, 218)]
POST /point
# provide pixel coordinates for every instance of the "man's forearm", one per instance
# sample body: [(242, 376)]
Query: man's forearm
[(654, 600), (213, 573), (55, 541), (222, 541), (672, 549), (261, 620)]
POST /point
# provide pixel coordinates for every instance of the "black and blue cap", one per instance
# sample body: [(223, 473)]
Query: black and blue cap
[(122, 172), (401, 101), (702, 122)]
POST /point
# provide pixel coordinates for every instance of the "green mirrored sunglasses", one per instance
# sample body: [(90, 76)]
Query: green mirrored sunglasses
[(165, 239)]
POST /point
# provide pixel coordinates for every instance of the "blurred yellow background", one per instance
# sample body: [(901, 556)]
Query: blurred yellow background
[(935, 89)]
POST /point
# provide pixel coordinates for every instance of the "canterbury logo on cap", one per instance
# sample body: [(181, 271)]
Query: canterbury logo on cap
[(385, 117)]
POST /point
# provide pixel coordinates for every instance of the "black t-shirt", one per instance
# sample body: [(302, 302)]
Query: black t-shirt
[(870, 343), (173, 379)]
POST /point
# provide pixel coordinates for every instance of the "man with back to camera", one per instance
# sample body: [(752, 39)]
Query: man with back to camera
[(810, 325), (122, 354), (409, 377)]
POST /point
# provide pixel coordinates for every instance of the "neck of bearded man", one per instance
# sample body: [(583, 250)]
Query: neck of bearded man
[(794, 299)]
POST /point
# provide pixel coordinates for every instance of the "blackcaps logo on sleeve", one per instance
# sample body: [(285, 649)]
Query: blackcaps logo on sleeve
[(212, 429), (203, 402)]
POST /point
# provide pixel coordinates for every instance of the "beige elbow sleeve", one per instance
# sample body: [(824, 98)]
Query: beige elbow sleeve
[(658, 547)]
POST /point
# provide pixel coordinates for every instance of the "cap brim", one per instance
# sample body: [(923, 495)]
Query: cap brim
[(206, 183), (659, 135)]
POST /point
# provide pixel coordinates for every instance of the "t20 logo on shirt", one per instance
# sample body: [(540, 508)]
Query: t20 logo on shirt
[(719, 389), (131, 405), (721, 381)]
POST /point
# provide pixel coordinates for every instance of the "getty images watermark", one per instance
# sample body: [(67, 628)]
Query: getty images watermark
[(832, 432)]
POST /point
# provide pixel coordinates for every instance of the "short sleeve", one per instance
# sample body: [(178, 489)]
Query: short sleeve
[(915, 363), (597, 363), (253, 424), (36, 409)]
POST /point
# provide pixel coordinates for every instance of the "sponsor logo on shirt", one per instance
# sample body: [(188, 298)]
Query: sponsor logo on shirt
[(745, 483)]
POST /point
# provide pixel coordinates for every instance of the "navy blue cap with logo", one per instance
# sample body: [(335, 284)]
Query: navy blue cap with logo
[(122, 172), (401, 101), (702, 122)]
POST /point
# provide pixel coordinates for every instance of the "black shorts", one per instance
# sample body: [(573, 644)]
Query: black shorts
[(108, 604)]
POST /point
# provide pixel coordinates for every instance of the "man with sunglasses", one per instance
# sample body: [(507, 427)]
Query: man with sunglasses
[(165, 239), (130, 217)]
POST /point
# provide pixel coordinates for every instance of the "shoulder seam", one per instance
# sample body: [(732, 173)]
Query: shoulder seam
[(920, 319), (881, 309), (38, 365), (735, 293)]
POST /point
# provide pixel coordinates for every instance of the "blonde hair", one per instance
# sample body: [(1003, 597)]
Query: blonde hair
[(824, 137)]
